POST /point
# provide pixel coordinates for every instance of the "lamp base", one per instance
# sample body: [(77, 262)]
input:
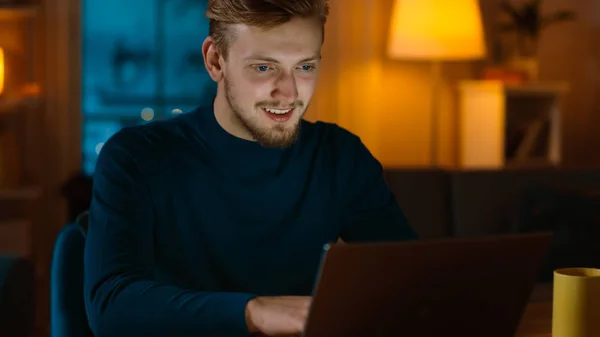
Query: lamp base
[(436, 77)]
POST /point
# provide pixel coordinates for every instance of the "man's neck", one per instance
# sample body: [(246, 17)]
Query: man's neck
[(227, 119)]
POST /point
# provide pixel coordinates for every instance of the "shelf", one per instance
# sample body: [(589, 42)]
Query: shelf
[(15, 237), (14, 222), (538, 88), (23, 193), (18, 12), (526, 89), (9, 105)]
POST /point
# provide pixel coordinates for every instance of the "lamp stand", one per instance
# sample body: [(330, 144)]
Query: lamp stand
[(436, 77)]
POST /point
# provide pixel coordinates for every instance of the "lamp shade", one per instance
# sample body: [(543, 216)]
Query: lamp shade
[(436, 30), (1, 70)]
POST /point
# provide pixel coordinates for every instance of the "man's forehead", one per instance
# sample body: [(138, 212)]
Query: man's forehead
[(281, 41), (298, 27)]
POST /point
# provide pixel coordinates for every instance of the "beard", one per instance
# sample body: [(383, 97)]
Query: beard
[(277, 136)]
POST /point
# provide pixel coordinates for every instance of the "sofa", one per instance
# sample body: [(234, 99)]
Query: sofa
[(449, 203), (445, 204)]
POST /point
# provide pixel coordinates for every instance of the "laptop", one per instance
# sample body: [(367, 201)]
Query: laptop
[(468, 287)]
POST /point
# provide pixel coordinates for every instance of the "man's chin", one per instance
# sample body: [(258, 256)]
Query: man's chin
[(277, 143), (279, 136)]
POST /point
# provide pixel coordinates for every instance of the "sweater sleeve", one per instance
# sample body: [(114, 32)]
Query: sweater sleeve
[(371, 212), (121, 296)]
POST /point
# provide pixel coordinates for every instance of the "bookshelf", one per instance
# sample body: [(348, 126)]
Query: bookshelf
[(20, 127), (510, 125), (18, 13)]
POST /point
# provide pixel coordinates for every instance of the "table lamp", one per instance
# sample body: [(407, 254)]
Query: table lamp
[(436, 31)]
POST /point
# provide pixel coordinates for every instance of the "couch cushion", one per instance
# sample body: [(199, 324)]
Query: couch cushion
[(423, 195), (487, 202), (574, 218)]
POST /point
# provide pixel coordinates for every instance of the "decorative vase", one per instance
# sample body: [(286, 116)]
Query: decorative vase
[(525, 58), (529, 66)]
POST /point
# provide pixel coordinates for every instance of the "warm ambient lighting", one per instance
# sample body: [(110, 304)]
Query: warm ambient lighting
[(1, 71), (436, 30)]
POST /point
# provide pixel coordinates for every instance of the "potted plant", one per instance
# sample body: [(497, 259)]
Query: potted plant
[(527, 22)]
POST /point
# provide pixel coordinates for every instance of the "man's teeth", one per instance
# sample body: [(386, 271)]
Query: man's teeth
[(278, 112)]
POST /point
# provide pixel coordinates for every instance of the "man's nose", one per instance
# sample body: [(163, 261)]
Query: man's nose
[(286, 89)]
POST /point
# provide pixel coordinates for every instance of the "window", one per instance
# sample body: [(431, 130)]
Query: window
[(142, 61)]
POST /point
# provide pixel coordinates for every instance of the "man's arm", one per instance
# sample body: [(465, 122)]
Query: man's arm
[(370, 212), (121, 296)]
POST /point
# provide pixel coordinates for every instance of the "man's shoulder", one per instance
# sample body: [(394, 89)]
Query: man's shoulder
[(155, 136), (337, 142), (147, 143), (330, 133)]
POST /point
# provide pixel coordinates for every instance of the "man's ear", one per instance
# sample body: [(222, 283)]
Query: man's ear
[(211, 54)]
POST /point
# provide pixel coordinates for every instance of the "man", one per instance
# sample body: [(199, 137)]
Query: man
[(213, 223)]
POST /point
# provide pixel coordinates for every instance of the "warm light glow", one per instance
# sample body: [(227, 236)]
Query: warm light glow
[(436, 29), (1, 71)]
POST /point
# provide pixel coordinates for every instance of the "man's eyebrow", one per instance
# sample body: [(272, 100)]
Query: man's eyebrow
[(262, 58), (311, 59), (257, 57)]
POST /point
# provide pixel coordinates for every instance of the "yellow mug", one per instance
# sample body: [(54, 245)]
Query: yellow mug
[(576, 303)]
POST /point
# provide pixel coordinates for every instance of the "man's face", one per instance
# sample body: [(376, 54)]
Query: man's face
[(269, 78)]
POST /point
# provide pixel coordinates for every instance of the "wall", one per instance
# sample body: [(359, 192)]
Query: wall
[(386, 102), (571, 52)]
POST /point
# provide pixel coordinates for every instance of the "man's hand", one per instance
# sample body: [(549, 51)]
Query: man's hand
[(277, 316)]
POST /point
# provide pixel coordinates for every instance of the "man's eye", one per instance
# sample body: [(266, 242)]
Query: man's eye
[(262, 68), (307, 67)]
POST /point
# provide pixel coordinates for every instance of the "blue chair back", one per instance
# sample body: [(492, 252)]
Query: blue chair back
[(67, 309)]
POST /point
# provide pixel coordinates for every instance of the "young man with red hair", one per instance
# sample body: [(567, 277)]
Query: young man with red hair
[(213, 223)]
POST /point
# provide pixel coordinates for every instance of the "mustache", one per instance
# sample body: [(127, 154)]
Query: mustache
[(277, 104)]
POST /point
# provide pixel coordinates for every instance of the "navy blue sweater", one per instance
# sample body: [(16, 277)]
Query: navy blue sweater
[(188, 223)]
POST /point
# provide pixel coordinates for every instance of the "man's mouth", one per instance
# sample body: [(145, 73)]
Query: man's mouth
[(278, 111), (279, 115)]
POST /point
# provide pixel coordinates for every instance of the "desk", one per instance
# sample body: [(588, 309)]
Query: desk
[(537, 318)]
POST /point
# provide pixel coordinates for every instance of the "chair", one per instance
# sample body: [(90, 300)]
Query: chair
[(67, 309), (17, 300)]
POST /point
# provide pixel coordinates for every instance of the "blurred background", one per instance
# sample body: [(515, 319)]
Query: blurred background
[(485, 114)]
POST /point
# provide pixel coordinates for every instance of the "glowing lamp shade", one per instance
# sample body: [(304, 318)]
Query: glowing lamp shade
[(436, 30), (1, 71)]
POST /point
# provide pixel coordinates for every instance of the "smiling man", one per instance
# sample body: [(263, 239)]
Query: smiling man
[(213, 223), (270, 71)]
